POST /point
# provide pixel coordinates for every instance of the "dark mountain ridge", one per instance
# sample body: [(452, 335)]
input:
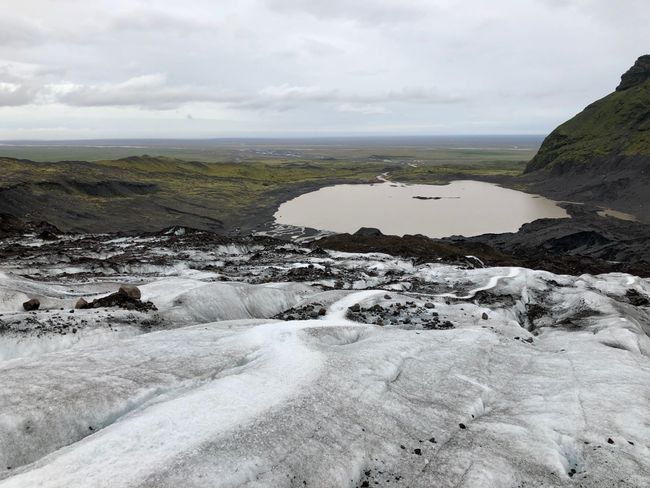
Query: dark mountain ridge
[(602, 155)]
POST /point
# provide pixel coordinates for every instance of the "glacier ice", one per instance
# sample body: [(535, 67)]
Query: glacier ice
[(552, 389)]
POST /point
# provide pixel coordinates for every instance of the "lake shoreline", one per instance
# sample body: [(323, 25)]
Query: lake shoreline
[(436, 211)]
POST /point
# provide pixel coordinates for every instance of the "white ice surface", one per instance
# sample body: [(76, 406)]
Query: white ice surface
[(189, 301), (265, 403)]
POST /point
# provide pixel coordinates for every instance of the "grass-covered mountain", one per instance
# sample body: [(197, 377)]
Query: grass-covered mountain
[(616, 125), (602, 155)]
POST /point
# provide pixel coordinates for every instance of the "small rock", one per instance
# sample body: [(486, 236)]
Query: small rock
[(130, 291), (462, 426), (417, 452), (387, 297), (610, 441), (31, 305), (429, 305), (81, 303), (322, 312), (484, 316)]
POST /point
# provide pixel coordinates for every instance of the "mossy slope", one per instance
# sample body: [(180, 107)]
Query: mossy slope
[(616, 125)]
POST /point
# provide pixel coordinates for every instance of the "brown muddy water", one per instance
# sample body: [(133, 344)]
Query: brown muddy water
[(466, 208)]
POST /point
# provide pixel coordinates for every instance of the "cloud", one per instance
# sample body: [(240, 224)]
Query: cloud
[(284, 95), (362, 11), (16, 94), (18, 32), (161, 22), (153, 91), (147, 91), (362, 108), (316, 66), (19, 85)]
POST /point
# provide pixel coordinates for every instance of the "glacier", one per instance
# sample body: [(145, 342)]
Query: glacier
[(273, 365)]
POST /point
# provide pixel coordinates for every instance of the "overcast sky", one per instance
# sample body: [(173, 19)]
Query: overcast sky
[(218, 68)]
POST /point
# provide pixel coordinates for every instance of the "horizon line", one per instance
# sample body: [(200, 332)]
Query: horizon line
[(274, 137)]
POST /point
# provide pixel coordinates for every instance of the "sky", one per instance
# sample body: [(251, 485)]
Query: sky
[(80, 69)]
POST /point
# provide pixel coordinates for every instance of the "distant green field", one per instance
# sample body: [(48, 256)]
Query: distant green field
[(437, 152), (223, 187)]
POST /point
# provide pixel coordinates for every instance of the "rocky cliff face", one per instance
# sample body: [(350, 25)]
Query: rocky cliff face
[(637, 74)]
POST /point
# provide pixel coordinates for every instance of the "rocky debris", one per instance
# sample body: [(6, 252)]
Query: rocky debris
[(368, 232), (437, 325), (383, 476), (306, 312), (309, 273), (419, 247), (637, 299), (130, 291), (128, 297), (406, 315), (61, 322), (585, 243), (11, 226), (535, 311), (31, 305), (48, 235)]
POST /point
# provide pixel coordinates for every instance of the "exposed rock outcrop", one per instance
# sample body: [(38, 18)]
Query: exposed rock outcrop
[(31, 305), (637, 74), (127, 297)]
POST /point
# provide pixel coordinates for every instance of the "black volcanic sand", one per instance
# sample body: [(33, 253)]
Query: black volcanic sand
[(586, 243)]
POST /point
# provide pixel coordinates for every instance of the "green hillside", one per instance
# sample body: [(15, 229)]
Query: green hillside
[(616, 125)]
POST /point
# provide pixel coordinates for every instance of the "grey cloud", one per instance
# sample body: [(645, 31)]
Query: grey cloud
[(153, 91), (147, 91), (16, 94), (17, 89), (19, 32), (161, 22), (274, 66), (364, 11), (291, 94)]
